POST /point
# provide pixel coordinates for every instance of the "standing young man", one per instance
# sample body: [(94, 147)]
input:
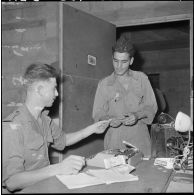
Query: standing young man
[(127, 97), (28, 132)]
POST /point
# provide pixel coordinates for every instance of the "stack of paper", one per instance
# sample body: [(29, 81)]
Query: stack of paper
[(95, 177)]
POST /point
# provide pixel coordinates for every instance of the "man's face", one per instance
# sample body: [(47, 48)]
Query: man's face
[(48, 92), (121, 62)]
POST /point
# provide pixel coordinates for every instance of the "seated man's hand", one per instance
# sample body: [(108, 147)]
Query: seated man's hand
[(115, 122), (70, 165), (131, 119), (101, 126)]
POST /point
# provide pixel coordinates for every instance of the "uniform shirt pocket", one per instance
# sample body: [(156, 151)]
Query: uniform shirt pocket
[(138, 92), (36, 144), (34, 153)]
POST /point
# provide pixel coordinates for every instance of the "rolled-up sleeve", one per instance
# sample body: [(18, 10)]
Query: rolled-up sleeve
[(13, 152), (59, 136), (149, 105)]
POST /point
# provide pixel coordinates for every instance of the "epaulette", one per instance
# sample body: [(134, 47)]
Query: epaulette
[(11, 116), (138, 74)]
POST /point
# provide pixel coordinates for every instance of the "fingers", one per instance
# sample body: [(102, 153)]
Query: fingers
[(101, 126), (70, 165), (77, 160), (115, 122), (130, 120), (104, 123)]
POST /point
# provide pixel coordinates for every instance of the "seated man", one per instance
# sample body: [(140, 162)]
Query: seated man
[(28, 132)]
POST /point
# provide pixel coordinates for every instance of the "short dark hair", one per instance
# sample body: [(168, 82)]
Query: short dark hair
[(39, 71), (122, 45)]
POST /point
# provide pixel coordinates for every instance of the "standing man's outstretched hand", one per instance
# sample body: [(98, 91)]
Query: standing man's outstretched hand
[(101, 126)]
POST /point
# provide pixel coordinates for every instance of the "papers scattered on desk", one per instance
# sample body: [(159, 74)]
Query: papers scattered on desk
[(165, 162), (80, 180), (112, 176), (95, 177)]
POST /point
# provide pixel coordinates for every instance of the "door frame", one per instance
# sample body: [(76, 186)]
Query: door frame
[(60, 23)]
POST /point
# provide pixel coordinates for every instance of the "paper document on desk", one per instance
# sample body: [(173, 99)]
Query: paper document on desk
[(95, 177), (111, 176), (165, 162), (79, 181)]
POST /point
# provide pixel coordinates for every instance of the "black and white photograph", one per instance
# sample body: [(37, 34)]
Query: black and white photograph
[(97, 97)]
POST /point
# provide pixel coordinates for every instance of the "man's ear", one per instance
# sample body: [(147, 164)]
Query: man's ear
[(131, 61), (39, 89)]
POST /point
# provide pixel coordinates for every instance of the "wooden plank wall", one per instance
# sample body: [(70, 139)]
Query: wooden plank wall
[(29, 34)]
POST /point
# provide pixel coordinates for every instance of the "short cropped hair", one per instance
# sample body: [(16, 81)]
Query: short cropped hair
[(39, 72), (122, 45)]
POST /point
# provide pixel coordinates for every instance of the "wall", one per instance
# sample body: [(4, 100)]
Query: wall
[(29, 34), (173, 66), (176, 86)]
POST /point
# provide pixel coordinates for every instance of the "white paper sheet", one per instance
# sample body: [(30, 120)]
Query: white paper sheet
[(165, 162), (95, 177), (111, 176), (79, 181)]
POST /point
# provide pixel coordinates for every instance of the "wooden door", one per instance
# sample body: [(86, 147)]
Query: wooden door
[(87, 58)]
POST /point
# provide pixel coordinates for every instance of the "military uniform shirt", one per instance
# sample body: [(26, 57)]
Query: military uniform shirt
[(113, 100), (25, 142)]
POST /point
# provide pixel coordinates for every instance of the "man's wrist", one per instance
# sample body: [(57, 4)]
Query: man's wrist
[(53, 170), (104, 118)]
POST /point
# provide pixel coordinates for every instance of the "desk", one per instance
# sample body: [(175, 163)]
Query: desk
[(182, 182), (151, 179)]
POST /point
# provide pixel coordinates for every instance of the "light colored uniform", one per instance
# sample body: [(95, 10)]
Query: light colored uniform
[(25, 142), (113, 100)]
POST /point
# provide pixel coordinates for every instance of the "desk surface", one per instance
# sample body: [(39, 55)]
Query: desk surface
[(151, 179)]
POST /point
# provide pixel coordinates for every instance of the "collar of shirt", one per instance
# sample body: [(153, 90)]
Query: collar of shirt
[(23, 112), (26, 113), (112, 78)]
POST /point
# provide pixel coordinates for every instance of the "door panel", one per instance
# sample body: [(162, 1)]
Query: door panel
[(83, 35)]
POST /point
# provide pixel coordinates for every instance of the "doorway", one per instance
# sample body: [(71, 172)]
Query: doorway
[(163, 53)]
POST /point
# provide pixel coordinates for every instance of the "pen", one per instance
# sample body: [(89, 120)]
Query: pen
[(88, 173)]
